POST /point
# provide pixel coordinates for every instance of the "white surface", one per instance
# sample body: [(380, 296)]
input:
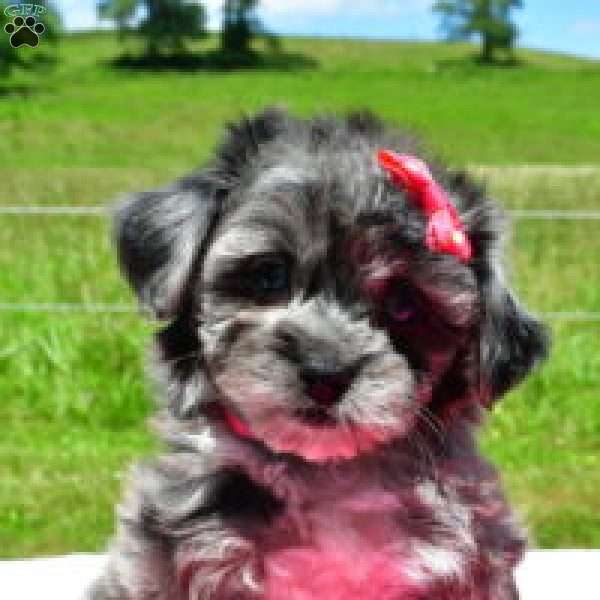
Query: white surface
[(560, 575), (544, 575), (56, 578)]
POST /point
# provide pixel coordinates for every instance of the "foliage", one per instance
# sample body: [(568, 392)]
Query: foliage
[(240, 25), (9, 57), (163, 24), (490, 19)]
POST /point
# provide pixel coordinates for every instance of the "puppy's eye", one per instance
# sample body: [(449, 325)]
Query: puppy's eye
[(270, 278), (402, 305)]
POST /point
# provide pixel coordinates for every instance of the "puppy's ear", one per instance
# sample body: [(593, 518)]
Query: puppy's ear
[(512, 341), (158, 235)]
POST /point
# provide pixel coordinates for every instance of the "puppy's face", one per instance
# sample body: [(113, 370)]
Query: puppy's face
[(320, 328), (321, 320)]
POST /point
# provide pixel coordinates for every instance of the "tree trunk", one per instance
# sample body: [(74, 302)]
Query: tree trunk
[(487, 49)]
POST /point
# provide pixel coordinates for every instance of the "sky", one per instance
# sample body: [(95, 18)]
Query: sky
[(571, 26)]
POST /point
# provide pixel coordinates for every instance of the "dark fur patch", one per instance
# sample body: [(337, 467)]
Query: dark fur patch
[(236, 496)]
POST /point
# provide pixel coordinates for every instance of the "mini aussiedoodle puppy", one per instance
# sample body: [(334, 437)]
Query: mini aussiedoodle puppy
[(336, 323)]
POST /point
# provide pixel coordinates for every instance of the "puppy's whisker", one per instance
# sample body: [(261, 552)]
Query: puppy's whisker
[(432, 422), (429, 462)]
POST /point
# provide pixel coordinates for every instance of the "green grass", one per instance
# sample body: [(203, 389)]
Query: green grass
[(74, 397), (94, 116)]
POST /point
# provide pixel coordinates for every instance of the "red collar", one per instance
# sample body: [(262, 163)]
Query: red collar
[(230, 420)]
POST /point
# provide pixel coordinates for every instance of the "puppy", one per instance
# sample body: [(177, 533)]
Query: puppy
[(335, 324)]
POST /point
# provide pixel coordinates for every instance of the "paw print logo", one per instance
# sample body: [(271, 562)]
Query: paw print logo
[(24, 32)]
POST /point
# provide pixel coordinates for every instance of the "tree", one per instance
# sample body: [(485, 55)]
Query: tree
[(164, 24), (490, 19), (9, 57), (240, 25)]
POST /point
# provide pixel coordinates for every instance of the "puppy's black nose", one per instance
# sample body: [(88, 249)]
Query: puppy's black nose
[(326, 387)]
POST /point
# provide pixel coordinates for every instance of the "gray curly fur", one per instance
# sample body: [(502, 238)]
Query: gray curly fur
[(411, 507)]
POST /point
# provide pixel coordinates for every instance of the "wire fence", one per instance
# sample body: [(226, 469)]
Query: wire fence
[(67, 211), (101, 211)]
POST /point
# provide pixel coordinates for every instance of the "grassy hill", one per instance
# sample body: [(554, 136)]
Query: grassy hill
[(73, 397)]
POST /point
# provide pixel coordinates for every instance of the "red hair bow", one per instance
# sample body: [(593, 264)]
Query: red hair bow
[(445, 231)]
